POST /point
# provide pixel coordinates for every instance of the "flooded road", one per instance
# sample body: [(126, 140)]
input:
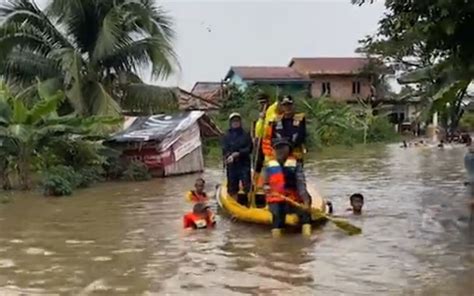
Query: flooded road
[(127, 238)]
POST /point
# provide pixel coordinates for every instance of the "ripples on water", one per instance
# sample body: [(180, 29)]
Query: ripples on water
[(126, 239)]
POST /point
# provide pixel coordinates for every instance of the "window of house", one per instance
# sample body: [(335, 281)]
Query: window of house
[(326, 89), (356, 87)]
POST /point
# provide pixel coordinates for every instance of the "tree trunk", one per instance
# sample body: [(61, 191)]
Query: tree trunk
[(24, 169), (4, 177)]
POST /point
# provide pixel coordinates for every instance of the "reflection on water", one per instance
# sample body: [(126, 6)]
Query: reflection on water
[(126, 239)]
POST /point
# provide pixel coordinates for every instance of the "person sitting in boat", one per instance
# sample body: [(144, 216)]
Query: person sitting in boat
[(237, 147), (291, 126), (201, 217), (198, 194), (284, 178), (357, 202)]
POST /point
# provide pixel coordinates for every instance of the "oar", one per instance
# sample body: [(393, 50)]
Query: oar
[(317, 214), (257, 154)]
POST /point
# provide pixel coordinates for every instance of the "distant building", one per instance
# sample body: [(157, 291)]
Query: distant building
[(168, 144), (285, 79), (341, 79), (189, 101), (204, 87)]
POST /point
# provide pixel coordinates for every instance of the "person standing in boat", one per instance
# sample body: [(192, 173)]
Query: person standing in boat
[(284, 177), (259, 130), (237, 148), (292, 127)]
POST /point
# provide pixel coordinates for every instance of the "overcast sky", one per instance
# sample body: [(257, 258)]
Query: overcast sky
[(214, 35)]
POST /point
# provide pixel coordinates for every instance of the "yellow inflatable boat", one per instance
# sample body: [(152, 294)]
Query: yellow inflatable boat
[(262, 215)]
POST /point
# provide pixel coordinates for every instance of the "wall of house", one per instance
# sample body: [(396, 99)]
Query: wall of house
[(238, 81), (285, 88), (341, 87)]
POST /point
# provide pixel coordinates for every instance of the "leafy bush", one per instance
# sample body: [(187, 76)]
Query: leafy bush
[(88, 176), (381, 130), (136, 171), (59, 181), (114, 166)]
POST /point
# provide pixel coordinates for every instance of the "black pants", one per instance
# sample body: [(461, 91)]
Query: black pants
[(235, 175), (260, 160), (281, 209)]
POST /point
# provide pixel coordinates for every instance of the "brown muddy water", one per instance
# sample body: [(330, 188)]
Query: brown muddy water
[(126, 238)]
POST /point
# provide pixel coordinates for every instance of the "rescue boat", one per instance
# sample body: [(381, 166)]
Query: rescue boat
[(263, 215)]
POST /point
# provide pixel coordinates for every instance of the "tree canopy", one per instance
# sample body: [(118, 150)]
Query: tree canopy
[(433, 44), (93, 50)]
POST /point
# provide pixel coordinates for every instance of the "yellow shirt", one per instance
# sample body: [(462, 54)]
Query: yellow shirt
[(270, 115)]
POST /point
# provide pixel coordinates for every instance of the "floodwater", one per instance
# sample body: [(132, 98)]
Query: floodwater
[(126, 238)]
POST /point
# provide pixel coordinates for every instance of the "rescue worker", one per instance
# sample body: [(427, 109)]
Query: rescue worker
[(264, 129), (198, 194), (291, 126), (200, 217), (264, 102), (285, 178), (237, 148)]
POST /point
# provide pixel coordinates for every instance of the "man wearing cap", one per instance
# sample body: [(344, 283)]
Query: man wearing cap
[(284, 178), (237, 148), (290, 126)]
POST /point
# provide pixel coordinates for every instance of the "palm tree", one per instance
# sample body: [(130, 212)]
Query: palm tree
[(93, 50)]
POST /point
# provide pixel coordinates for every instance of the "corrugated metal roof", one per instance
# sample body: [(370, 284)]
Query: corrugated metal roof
[(332, 66), (205, 87)]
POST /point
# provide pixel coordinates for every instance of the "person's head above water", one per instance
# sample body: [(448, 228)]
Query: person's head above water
[(199, 185), (200, 209), (235, 120), (357, 202), (282, 149)]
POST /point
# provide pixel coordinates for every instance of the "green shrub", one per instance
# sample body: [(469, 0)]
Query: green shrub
[(59, 181), (136, 171), (381, 130), (114, 166), (88, 176)]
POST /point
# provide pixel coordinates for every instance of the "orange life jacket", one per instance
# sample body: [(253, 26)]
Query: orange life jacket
[(282, 180), (267, 148), (193, 196), (191, 220)]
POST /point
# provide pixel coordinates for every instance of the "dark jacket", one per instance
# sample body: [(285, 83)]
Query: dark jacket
[(237, 140), (295, 134)]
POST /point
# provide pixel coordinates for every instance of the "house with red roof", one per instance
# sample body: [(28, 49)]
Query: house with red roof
[(285, 79), (340, 78)]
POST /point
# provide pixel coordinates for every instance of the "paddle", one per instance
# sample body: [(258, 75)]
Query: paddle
[(256, 175), (317, 214)]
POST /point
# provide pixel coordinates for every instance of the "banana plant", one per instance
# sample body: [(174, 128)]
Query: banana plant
[(443, 88), (23, 129)]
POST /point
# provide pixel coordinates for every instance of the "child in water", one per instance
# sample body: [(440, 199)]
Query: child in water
[(201, 217), (357, 202), (198, 194)]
